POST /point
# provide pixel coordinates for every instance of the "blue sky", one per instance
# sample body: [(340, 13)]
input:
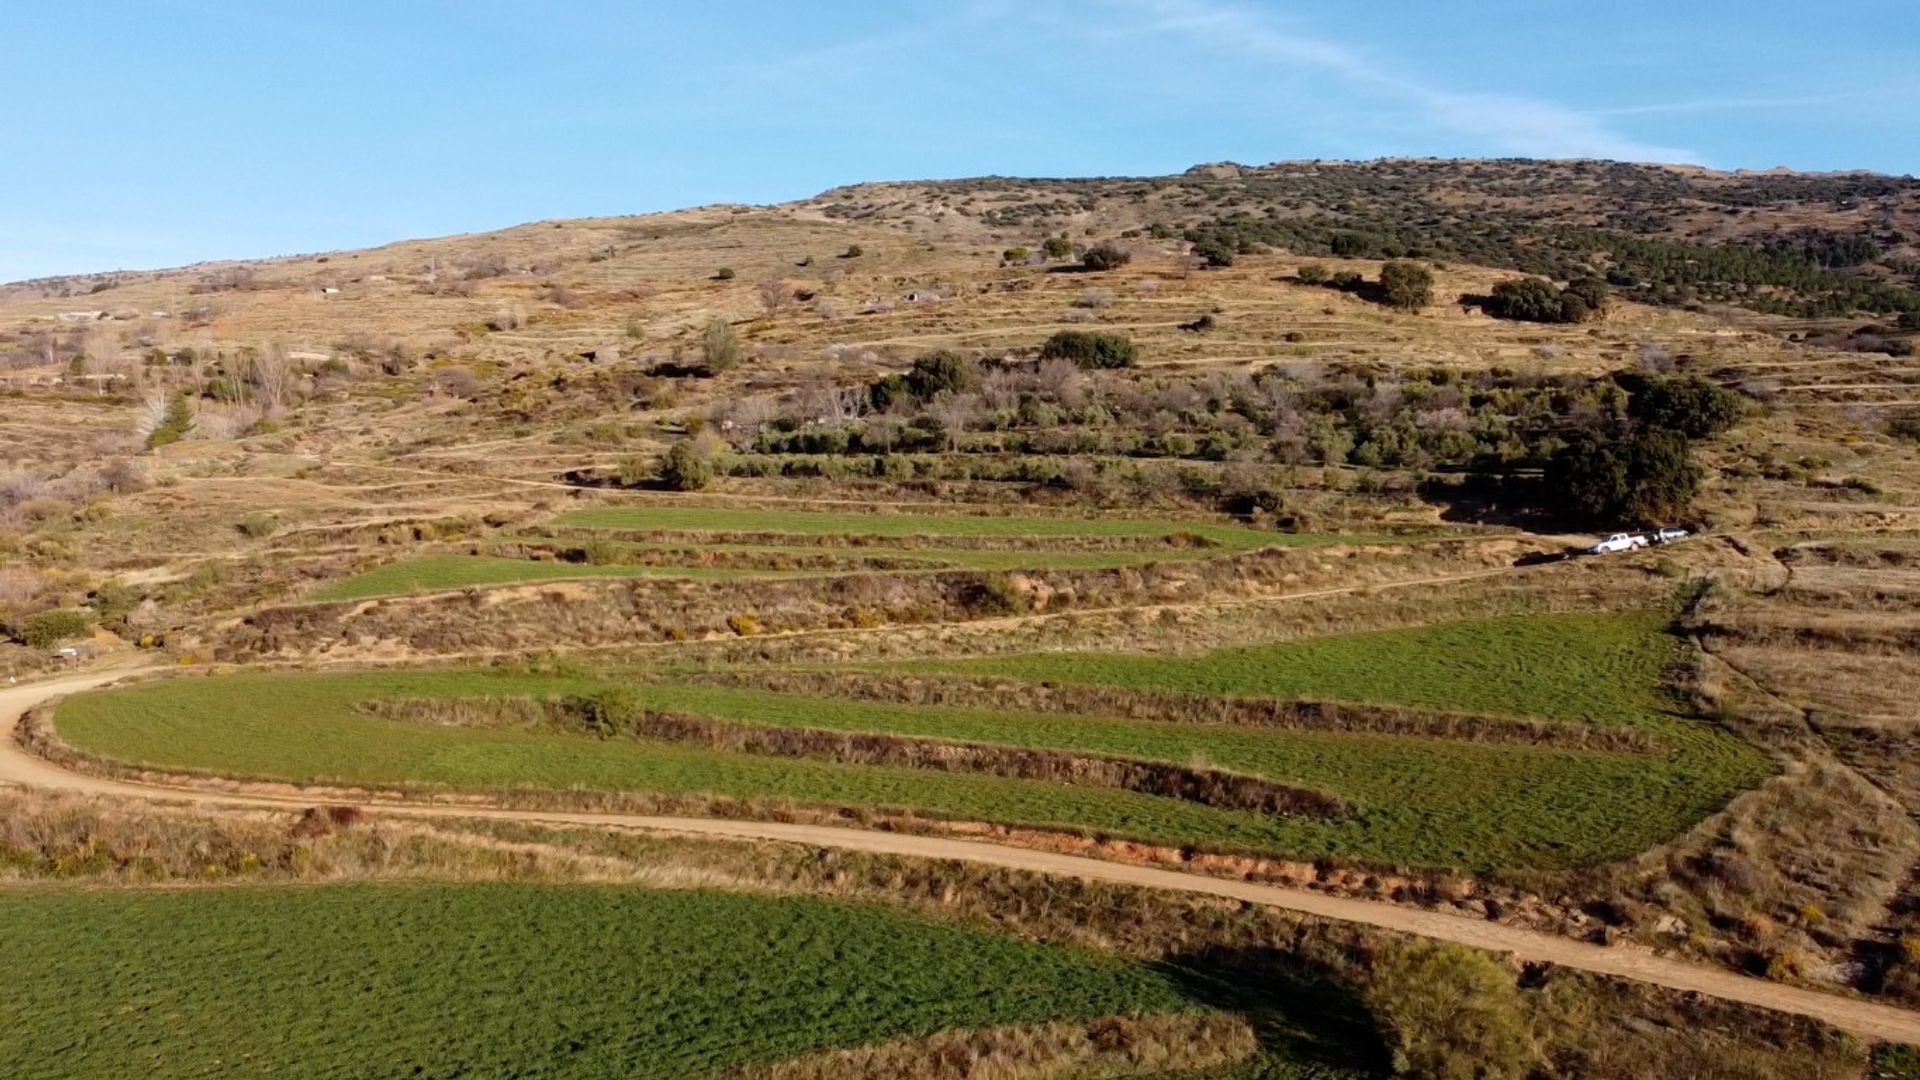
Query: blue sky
[(144, 133)]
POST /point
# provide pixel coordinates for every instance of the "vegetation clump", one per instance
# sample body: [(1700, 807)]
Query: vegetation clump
[(688, 466), (1091, 349)]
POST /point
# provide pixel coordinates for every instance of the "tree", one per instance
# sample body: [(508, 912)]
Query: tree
[(688, 466), (1105, 257), (1524, 299), (1688, 404), (719, 347), (941, 372), (175, 422), (1644, 475), (1406, 286), (1091, 349), (1215, 250)]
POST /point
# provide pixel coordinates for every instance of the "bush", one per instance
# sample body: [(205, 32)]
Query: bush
[(1057, 247), (1644, 476), (1536, 300), (50, 628), (174, 424), (605, 712), (1017, 254), (1406, 286), (853, 251), (1313, 274), (1449, 1013), (725, 273), (1905, 427), (1215, 251), (743, 625), (940, 372), (1091, 349), (1105, 257), (719, 347), (687, 467), (257, 526), (635, 471)]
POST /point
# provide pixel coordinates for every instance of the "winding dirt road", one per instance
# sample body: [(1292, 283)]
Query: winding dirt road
[(1867, 1019)]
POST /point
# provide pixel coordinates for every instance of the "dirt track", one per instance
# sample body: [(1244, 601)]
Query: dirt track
[(1863, 1018)]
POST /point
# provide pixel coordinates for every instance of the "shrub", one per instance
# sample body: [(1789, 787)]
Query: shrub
[(1313, 274), (687, 467), (50, 628), (1091, 349), (1105, 257), (1406, 286), (1449, 1013), (635, 471), (174, 424), (719, 347), (1017, 254), (1215, 251), (1057, 247), (1536, 300), (853, 251), (940, 372), (256, 526), (743, 624), (1905, 427), (725, 273), (604, 712)]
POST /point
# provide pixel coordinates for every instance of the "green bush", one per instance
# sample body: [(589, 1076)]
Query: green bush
[(50, 628), (1057, 247), (635, 471), (1449, 1013), (1537, 300), (1406, 286), (1216, 251), (1091, 349), (1105, 257), (853, 251), (719, 347), (604, 712), (1313, 274), (725, 273), (686, 467), (940, 372), (174, 425)]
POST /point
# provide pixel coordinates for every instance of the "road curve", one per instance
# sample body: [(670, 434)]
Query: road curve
[(1867, 1019)]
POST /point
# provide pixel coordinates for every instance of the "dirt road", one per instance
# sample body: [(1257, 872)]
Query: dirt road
[(1866, 1019)]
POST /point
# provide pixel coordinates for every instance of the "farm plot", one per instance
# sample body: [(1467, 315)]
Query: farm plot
[(1383, 798), (508, 980), (717, 543), (443, 573)]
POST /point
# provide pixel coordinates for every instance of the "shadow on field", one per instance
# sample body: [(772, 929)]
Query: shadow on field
[(1299, 1016)]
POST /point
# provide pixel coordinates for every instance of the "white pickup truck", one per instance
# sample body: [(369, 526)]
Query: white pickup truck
[(1618, 542)]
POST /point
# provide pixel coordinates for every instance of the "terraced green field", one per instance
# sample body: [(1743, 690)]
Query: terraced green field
[(1601, 668), (443, 573), (821, 523), (1419, 801), (505, 980)]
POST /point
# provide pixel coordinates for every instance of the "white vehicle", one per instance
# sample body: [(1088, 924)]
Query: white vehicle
[(1672, 535), (1618, 542)]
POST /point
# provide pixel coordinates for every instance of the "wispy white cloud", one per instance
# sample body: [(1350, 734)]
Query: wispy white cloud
[(1507, 123)]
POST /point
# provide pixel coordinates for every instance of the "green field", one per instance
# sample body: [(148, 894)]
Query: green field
[(1600, 668), (1417, 801), (505, 980), (444, 573), (818, 523)]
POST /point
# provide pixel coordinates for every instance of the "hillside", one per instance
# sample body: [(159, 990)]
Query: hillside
[(1229, 523)]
